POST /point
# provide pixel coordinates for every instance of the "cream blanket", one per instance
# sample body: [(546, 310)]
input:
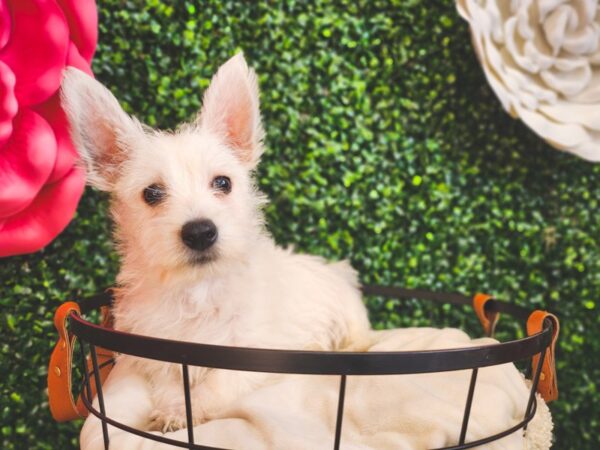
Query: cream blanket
[(400, 412)]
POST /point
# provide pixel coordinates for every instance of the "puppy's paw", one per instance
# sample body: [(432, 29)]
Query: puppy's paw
[(172, 420)]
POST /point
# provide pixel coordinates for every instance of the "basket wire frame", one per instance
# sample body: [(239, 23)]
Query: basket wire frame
[(539, 343)]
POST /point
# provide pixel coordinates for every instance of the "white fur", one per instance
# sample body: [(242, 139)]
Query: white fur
[(252, 294)]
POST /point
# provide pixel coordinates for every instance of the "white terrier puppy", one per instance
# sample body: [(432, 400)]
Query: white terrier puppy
[(197, 262)]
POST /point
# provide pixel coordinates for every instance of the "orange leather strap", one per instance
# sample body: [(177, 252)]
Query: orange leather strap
[(488, 318), (547, 385), (60, 383), (60, 397)]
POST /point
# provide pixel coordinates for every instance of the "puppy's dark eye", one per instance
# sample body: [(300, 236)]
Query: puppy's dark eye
[(222, 184), (154, 194)]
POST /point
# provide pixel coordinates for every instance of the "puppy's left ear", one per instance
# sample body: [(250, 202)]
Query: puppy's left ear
[(231, 109)]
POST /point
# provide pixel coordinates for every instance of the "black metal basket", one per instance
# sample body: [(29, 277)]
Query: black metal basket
[(312, 362)]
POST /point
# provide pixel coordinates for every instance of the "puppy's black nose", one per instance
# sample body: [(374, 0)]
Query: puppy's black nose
[(199, 234)]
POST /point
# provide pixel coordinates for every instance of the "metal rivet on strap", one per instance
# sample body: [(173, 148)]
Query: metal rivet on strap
[(57, 371)]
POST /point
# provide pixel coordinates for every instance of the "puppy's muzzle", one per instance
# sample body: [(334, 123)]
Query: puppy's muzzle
[(199, 234)]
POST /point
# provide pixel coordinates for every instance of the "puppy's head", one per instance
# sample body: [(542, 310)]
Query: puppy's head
[(182, 201)]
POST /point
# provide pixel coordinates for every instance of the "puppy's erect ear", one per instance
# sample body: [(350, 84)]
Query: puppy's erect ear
[(100, 129), (231, 109)]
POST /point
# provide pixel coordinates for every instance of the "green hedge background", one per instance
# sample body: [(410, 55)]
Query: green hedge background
[(385, 146)]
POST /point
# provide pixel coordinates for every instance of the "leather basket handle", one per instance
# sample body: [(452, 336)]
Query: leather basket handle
[(488, 318), (548, 383), (60, 397)]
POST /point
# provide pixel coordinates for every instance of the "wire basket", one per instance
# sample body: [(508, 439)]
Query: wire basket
[(534, 347)]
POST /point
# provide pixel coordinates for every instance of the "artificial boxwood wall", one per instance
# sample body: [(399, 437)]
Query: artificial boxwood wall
[(385, 145)]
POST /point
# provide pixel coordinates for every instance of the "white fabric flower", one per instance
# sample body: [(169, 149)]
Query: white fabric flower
[(542, 58)]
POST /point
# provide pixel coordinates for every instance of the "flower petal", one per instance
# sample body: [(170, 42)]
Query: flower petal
[(556, 25), (8, 102), (66, 155), (560, 134), (83, 25), (588, 149), (5, 24), (38, 67), (568, 77), (568, 112), (26, 163), (75, 59), (591, 93), (44, 219)]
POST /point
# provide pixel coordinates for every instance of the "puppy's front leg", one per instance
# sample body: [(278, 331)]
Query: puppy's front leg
[(127, 400), (210, 396)]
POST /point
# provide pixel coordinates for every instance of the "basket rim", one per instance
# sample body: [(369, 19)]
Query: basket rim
[(306, 362)]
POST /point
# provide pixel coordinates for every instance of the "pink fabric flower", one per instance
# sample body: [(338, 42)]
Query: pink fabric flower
[(39, 183)]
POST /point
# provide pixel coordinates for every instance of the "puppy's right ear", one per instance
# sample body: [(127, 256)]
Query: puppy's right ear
[(101, 131)]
